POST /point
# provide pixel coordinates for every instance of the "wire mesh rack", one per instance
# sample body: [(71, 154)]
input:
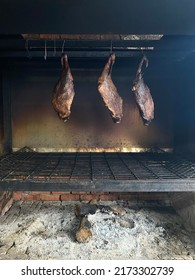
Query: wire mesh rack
[(103, 171)]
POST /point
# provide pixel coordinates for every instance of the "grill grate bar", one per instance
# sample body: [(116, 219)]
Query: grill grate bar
[(130, 170), (110, 169), (179, 168), (39, 164), (74, 166), (91, 167), (143, 167), (58, 161), (31, 166), (11, 163)]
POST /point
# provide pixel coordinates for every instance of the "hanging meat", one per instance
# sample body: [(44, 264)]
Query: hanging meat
[(109, 92), (143, 96), (63, 92)]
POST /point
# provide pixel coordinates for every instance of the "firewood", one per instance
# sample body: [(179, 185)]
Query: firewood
[(82, 210), (84, 233)]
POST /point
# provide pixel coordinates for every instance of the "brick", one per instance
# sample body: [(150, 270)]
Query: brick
[(128, 197), (50, 197), (80, 193), (39, 192), (99, 193), (107, 197), (71, 197), (30, 197), (19, 192), (89, 197), (17, 196), (77, 196), (59, 193), (25, 193)]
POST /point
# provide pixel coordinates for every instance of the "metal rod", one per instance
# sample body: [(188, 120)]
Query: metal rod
[(27, 48), (54, 49), (121, 158), (171, 169), (37, 166), (45, 55), (14, 165), (56, 166), (170, 185), (63, 46), (74, 165), (84, 53), (144, 165), (109, 166), (91, 166)]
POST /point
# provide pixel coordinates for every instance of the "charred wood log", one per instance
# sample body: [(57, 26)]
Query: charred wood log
[(86, 209), (84, 232)]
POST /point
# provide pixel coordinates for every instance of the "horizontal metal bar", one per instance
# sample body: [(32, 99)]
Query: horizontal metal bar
[(76, 54), (165, 55), (101, 186), (90, 43), (167, 43)]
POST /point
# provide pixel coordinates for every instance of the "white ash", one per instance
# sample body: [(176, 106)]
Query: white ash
[(35, 230)]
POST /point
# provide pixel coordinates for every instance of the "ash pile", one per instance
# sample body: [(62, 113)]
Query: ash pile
[(122, 230)]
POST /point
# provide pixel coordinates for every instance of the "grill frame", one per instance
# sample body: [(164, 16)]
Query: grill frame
[(107, 172)]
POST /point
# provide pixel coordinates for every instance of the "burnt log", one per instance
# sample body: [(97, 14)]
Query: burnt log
[(84, 233), (86, 209)]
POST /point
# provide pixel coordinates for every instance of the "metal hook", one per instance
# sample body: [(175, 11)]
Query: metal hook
[(27, 49), (45, 55), (111, 46), (63, 46), (54, 48)]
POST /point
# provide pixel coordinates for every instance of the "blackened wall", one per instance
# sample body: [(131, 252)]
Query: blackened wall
[(184, 105), (1, 115), (36, 124)]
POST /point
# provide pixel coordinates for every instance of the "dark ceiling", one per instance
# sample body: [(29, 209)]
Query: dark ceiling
[(175, 19), (169, 17)]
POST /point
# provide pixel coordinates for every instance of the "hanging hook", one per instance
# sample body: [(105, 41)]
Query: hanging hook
[(54, 48), (142, 51), (27, 49), (45, 55), (111, 46), (63, 46)]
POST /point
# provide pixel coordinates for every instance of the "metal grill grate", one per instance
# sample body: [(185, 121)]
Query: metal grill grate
[(32, 167)]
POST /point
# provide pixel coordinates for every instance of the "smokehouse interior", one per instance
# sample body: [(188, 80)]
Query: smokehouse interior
[(97, 114)]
